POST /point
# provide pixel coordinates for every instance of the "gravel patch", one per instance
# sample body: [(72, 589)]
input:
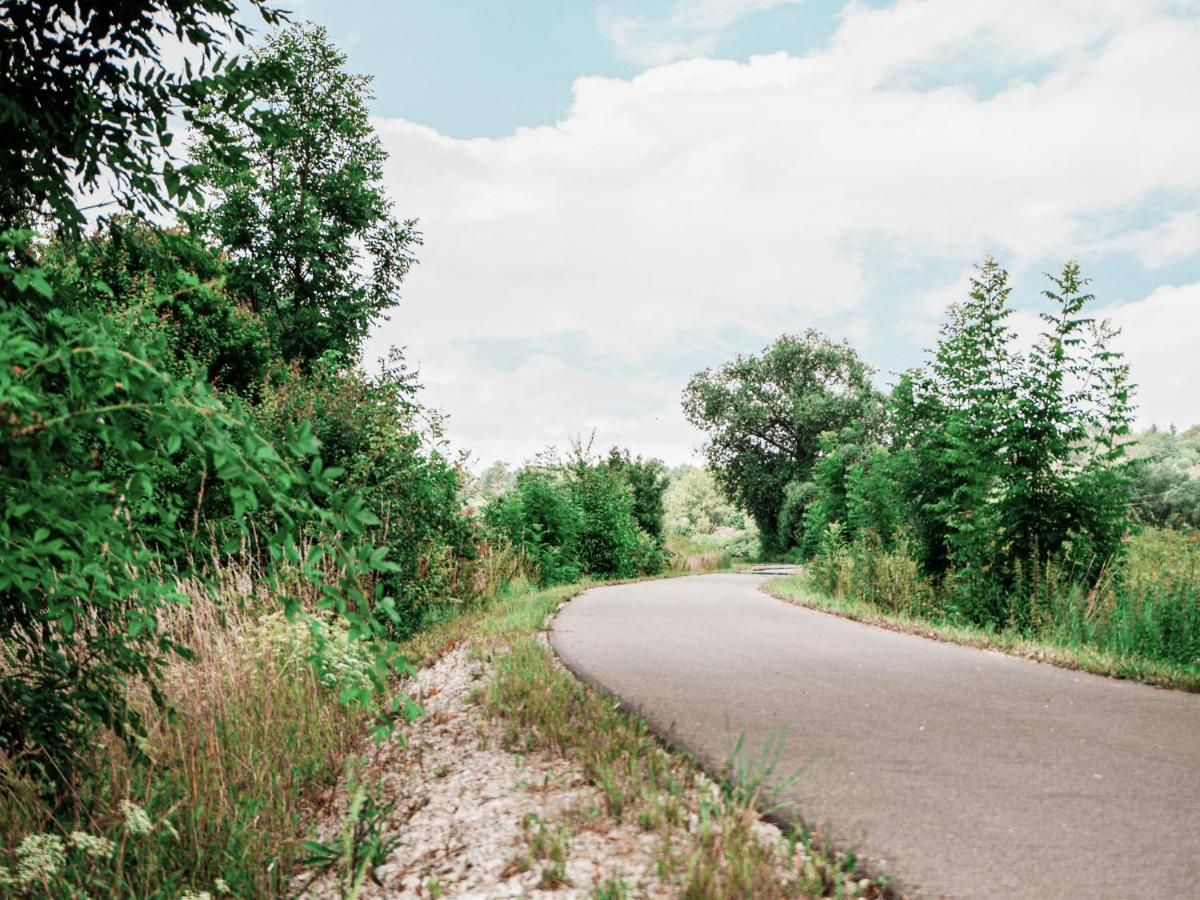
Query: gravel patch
[(469, 812)]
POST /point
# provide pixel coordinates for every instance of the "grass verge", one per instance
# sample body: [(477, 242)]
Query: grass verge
[(713, 843), (797, 589)]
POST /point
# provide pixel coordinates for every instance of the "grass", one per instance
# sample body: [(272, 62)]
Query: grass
[(229, 779), (1143, 625), (709, 847)]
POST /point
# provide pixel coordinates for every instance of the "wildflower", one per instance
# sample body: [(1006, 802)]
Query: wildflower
[(92, 844), (39, 856), (221, 886), (196, 895), (6, 879), (136, 819)]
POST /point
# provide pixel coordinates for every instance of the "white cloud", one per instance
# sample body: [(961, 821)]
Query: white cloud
[(707, 197), (689, 29), (1159, 336), (1174, 239)]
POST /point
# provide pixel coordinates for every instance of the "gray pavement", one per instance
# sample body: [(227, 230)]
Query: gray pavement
[(960, 772)]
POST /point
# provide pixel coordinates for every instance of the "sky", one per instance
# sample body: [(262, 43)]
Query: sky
[(616, 195)]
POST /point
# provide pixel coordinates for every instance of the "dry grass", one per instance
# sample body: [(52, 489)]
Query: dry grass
[(234, 762)]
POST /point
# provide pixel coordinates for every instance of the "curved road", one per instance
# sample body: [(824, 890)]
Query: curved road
[(970, 773)]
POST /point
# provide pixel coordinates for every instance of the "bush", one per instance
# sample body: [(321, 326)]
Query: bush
[(577, 519), (388, 450), (95, 423)]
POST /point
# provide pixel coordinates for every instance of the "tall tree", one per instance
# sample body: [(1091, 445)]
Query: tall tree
[(313, 242), (1016, 456), (765, 415)]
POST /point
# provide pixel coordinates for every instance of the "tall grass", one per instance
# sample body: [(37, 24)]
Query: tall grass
[(1142, 611), (250, 736)]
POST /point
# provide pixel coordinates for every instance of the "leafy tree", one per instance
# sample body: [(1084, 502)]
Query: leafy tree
[(165, 281), (649, 481), (578, 517), (90, 418), (1013, 458), (539, 517), (88, 100), (765, 415), (313, 243), (1165, 482), (103, 409), (694, 504), (391, 453)]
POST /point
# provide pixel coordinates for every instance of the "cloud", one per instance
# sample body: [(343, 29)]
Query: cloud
[(706, 206), (1158, 337), (690, 28), (1175, 238)]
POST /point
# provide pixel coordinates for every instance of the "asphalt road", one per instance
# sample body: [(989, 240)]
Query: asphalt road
[(965, 773)]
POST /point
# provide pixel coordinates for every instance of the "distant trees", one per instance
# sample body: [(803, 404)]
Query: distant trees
[(694, 504), (1166, 477), (765, 415)]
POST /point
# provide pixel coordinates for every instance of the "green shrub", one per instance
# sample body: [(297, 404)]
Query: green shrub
[(577, 519), (90, 511)]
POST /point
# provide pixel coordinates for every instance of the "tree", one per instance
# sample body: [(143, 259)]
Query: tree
[(313, 242), (1166, 477), (1014, 458), (765, 415), (88, 100), (103, 411), (649, 481), (694, 504)]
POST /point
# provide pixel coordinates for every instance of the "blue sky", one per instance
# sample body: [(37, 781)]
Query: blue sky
[(483, 68), (615, 195)]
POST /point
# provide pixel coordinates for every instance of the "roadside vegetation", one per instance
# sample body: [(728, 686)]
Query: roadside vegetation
[(217, 524), (994, 495), (712, 845)]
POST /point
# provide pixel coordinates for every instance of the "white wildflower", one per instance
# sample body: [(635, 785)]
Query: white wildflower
[(221, 886), (136, 818), (196, 895), (39, 856), (92, 844)]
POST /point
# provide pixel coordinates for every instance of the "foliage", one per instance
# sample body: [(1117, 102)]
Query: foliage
[(89, 416), (166, 283), (649, 481), (390, 451), (693, 504), (1015, 458), (1142, 616), (765, 415), (538, 517), (1165, 482), (313, 244), (582, 518), (89, 97)]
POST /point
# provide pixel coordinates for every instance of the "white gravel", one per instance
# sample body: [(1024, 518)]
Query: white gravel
[(465, 809), (468, 811)]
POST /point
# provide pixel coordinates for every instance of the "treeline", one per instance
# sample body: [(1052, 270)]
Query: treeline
[(990, 486), (215, 524)]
